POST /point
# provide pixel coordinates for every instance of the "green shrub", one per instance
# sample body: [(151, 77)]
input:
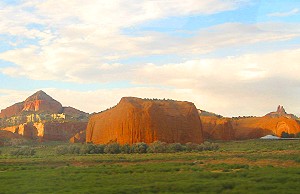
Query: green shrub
[(174, 147), (157, 147), (112, 148), (24, 151), (190, 147), (73, 149), (139, 148), (126, 149), (61, 150), (92, 149)]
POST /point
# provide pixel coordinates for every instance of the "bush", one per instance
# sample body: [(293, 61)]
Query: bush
[(190, 147), (139, 148), (16, 142), (61, 150), (24, 151), (287, 135), (174, 147), (112, 148), (92, 149), (126, 149), (207, 146), (157, 147)]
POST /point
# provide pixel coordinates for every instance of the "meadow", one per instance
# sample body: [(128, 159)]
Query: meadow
[(252, 166)]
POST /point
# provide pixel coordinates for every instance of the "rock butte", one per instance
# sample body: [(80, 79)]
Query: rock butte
[(274, 123), (139, 120)]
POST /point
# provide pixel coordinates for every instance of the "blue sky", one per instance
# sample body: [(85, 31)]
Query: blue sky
[(207, 52)]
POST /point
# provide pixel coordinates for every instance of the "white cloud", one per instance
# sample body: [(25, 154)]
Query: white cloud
[(240, 85), (284, 14)]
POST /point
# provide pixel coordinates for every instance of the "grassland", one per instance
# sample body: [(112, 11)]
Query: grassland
[(253, 166)]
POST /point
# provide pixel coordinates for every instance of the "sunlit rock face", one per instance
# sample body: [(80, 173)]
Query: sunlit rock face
[(55, 131), (216, 128), (79, 137), (41, 102), (242, 128), (12, 110), (141, 120), (250, 128)]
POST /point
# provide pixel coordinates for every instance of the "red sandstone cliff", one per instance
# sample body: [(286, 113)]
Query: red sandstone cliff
[(138, 120), (274, 123), (217, 128), (48, 130)]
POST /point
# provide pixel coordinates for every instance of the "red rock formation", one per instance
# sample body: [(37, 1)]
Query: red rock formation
[(274, 123), (250, 128), (9, 135), (12, 110), (79, 137), (281, 113), (216, 128), (41, 102), (62, 131), (48, 130), (137, 120)]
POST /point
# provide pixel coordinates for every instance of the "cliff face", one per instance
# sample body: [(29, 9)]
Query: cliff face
[(216, 128), (41, 102), (78, 137), (273, 123), (12, 110), (250, 128), (137, 120), (48, 130)]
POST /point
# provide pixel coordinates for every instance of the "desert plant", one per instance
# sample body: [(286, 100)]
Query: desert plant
[(139, 148), (190, 147), (61, 150), (23, 151), (112, 148), (174, 147), (157, 147), (126, 149)]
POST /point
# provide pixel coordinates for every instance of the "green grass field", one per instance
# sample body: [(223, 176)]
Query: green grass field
[(252, 166)]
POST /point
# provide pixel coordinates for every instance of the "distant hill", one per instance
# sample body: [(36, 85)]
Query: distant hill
[(41, 116)]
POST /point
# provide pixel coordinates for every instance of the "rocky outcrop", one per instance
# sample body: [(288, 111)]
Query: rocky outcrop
[(216, 128), (242, 128), (48, 130), (79, 137), (250, 128), (281, 113), (8, 135), (39, 102), (139, 120), (42, 117), (12, 110)]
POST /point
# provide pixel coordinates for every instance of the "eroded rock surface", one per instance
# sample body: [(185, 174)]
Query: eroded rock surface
[(139, 120)]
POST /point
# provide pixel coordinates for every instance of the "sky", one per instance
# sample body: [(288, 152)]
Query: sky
[(231, 57)]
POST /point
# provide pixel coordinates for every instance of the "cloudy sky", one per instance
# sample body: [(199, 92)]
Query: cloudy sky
[(232, 57)]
